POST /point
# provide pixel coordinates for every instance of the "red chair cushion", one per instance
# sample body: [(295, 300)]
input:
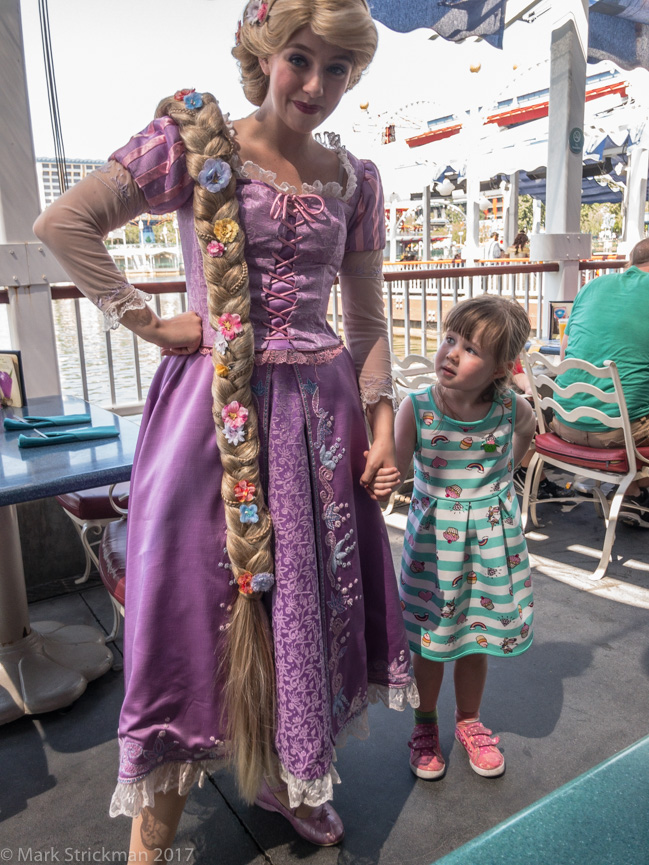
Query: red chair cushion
[(91, 504), (112, 559), (601, 459)]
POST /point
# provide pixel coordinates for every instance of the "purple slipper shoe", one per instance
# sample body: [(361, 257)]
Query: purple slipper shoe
[(324, 827)]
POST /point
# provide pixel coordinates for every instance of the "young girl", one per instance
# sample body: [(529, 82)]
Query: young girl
[(465, 577), (250, 466)]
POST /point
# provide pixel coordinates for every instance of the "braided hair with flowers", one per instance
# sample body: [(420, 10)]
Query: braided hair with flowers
[(248, 658), (265, 29)]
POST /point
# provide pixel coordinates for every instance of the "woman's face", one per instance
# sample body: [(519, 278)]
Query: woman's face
[(307, 79)]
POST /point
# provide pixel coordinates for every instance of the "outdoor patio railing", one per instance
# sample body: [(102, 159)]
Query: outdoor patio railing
[(115, 368)]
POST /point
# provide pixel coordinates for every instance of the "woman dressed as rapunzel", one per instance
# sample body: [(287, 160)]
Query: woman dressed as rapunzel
[(261, 610)]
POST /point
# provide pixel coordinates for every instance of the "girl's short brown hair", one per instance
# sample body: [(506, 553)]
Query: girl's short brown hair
[(499, 324)]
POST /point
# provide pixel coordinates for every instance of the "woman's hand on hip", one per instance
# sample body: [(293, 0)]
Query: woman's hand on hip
[(180, 334), (183, 333)]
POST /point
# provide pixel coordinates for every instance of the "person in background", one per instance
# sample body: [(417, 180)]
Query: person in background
[(520, 246), (493, 249), (610, 321), (262, 613)]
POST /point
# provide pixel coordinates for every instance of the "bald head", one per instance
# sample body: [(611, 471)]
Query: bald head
[(640, 255)]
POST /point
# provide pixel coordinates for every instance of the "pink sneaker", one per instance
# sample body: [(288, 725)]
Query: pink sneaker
[(480, 745), (426, 759)]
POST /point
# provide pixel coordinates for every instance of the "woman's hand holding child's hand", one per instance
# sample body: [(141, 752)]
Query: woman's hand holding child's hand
[(386, 480), (379, 457)]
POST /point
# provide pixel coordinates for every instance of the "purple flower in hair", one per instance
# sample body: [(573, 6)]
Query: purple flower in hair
[(215, 175), (193, 100), (262, 582)]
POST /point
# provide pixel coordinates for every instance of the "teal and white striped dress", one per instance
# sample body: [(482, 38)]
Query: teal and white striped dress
[(465, 576)]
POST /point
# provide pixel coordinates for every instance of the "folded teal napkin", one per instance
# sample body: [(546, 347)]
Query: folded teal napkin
[(52, 437), (33, 422)]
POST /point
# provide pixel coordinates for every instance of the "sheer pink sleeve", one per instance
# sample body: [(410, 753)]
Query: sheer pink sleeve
[(366, 331), (147, 174), (74, 228)]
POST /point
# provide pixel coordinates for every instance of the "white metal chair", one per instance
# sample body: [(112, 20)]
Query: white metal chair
[(91, 511), (415, 372), (112, 569), (618, 466)]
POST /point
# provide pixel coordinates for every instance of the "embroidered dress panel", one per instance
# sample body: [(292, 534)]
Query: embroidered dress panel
[(465, 576)]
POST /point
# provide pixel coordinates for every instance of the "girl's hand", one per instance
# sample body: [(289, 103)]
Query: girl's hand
[(384, 483), (379, 458)]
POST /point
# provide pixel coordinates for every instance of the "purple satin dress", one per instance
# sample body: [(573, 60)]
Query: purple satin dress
[(338, 634)]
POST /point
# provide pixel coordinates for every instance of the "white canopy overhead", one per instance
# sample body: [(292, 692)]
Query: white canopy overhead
[(614, 121), (618, 31)]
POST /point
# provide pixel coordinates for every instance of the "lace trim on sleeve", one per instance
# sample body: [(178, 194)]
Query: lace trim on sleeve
[(119, 300), (372, 389)]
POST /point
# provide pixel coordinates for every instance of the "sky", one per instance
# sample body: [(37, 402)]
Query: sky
[(113, 62)]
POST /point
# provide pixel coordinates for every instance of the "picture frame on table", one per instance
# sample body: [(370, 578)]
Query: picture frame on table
[(559, 312), (12, 380)]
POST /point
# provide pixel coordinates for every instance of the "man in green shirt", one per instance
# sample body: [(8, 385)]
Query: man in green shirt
[(610, 321)]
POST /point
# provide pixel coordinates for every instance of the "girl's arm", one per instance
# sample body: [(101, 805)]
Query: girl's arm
[(524, 428), (390, 477), (74, 227)]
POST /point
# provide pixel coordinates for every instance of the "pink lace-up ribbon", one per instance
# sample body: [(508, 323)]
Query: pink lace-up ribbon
[(280, 297)]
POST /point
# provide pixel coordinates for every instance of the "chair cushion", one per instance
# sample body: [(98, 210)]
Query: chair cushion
[(112, 559), (601, 459), (91, 504)]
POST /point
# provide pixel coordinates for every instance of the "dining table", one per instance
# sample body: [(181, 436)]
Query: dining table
[(47, 665)]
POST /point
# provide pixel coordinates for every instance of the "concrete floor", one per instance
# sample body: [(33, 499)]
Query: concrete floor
[(577, 697)]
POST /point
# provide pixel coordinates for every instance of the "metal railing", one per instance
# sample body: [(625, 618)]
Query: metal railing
[(416, 301)]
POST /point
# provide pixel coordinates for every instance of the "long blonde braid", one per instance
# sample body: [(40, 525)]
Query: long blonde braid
[(248, 657)]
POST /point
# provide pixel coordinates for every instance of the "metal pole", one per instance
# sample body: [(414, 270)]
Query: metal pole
[(635, 196), (562, 241), (426, 224), (26, 267), (511, 211)]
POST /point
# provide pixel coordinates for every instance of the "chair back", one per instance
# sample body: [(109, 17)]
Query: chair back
[(414, 372), (542, 373)]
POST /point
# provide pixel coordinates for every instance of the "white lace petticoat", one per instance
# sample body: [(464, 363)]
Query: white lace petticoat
[(130, 799)]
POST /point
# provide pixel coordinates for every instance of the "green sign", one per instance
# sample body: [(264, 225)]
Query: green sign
[(576, 139)]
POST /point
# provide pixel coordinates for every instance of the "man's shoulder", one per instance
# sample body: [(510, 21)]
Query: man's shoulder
[(609, 281)]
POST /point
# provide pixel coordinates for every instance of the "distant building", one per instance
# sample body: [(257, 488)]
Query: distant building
[(48, 176)]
